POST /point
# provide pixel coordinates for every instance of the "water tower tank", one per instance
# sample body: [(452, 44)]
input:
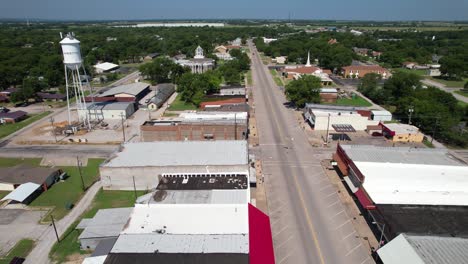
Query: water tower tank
[(71, 51)]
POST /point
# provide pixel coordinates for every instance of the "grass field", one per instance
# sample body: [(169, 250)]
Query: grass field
[(356, 101), (179, 105), (277, 79), (464, 93), (21, 249), (417, 72), (69, 244), (450, 83), (249, 78), (8, 129), (69, 191), (3, 194)]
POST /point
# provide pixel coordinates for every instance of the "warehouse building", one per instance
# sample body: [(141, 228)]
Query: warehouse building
[(407, 190), (412, 249), (106, 224), (108, 110), (132, 92), (323, 117), (143, 163), (197, 126), (232, 90), (163, 92), (105, 67), (381, 115)]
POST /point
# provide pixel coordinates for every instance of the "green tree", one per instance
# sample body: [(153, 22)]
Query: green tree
[(162, 70), (304, 90), (369, 83)]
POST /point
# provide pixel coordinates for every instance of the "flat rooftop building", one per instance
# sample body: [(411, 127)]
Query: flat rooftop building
[(424, 250), (419, 191), (146, 162), (197, 126)]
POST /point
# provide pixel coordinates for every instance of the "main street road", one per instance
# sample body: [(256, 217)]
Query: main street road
[(309, 223)]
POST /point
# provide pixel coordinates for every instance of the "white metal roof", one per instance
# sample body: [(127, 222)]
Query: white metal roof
[(424, 249), (106, 66), (106, 223), (328, 90), (131, 89), (399, 251), (381, 113), (22, 192), (95, 260), (203, 219), (187, 243), (406, 155), (181, 153), (395, 183)]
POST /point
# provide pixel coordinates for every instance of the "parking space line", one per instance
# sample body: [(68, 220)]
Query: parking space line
[(330, 205), (348, 235), (330, 194), (286, 257), (326, 187), (352, 250), (284, 228), (340, 226), (283, 243), (340, 212), (366, 259)]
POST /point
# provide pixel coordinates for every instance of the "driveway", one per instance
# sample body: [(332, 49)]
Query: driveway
[(446, 89), (17, 224)]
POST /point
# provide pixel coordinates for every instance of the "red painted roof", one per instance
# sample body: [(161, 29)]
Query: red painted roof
[(260, 239), (365, 67), (303, 70)]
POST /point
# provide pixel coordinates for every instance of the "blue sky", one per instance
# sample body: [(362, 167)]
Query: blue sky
[(270, 9)]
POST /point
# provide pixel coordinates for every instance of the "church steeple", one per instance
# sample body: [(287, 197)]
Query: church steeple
[(308, 60)]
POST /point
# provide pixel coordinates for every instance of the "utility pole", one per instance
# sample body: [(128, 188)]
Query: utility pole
[(78, 163), (134, 187), (410, 111), (123, 127), (235, 126), (435, 128), (328, 128), (55, 228), (53, 128)]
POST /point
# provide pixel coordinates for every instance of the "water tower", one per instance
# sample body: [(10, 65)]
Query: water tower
[(74, 70)]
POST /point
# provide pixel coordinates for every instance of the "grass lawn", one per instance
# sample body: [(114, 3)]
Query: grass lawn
[(356, 101), (69, 191), (3, 194), (179, 105), (277, 79), (462, 104), (10, 162), (417, 72), (462, 93), (249, 78), (69, 244), (8, 129), (21, 249), (450, 83), (428, 143)]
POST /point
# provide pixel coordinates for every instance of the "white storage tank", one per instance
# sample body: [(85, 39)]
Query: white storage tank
[(71, 51)]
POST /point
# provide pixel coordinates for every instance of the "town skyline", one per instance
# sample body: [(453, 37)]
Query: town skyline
[(398, 10)]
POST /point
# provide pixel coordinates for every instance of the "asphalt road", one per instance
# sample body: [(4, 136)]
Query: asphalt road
[(309, 223), (446, 89)]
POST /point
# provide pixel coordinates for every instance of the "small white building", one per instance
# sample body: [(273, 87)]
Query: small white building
[(319, 116), (381, 115), (105, 67), (108, 110), (268, 40), (280, 59)]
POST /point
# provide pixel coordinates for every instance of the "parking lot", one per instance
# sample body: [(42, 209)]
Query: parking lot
[(17, 224)]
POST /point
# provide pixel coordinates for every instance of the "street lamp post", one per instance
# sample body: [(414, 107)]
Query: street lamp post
[(410, 111), (381, 233), (328, 128)]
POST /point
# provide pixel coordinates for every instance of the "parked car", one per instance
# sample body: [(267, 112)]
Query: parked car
[(377, 134)]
